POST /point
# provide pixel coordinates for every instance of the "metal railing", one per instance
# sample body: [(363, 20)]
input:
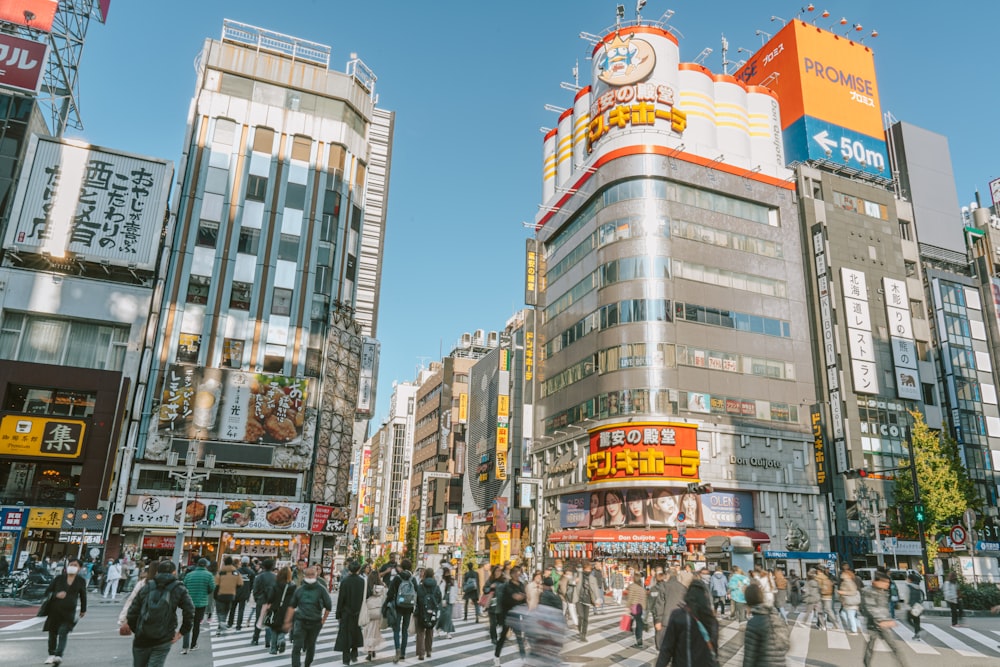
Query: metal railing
[(268, 40)]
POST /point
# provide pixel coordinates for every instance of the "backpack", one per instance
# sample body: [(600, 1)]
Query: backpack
[(243, 592), (158, 614), (429, 609), (470, 587), (406, 595)]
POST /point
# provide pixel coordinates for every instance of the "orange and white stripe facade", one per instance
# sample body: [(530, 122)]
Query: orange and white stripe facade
[(643, 99)]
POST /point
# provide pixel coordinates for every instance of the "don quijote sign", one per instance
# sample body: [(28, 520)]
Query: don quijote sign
[(755, 461)]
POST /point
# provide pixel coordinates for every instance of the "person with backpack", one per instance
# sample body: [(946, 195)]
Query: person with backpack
[(400, 602), (264, 584), (201, 586), (152, 617), (64, 591), (428, 610), (306, 614), (491, 596), (350, 599), (227, 582), (692, 634), (512, 605), (916, 601), (767, 638), (449, 597), (238, 609), (470, 590)]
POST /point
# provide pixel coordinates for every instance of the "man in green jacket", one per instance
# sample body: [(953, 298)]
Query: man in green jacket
[(200, 584)]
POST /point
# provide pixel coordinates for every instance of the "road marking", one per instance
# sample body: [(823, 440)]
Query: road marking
[(906, 634), (23, 625), (952, 642), (799, 648), (837, 639), (979, 637)]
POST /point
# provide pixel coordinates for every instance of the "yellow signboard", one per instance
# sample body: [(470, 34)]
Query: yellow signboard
[(41, 437), (503, 438), (499, 547), (503, 405), (48, 518), (529, 355), (402, 529), (463, 408), (501, 465)]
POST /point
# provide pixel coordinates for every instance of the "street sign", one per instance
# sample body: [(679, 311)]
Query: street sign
[(682, 541), (969, 517), (681, 516), (983, 545), (957, 535)]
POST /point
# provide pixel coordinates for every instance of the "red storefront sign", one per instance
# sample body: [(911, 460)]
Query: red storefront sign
[(158, 542), (644, 451), (22, 63)]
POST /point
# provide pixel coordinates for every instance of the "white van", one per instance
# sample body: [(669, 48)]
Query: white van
[(866, 574)]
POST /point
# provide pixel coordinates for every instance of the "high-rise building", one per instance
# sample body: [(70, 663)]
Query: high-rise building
[(263, 356), (674, 343)]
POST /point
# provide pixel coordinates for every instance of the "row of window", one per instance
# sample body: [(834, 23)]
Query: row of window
[(658, 189), (661, 402), (49, 340), (735, 363), (732, 320), (713, 275), (239, 295)]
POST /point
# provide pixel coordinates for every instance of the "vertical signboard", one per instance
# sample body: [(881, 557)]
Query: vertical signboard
[(904, 347), (859, 331), (819, 450), (531, 273), (366, 377), (824, 290), (503, 413)]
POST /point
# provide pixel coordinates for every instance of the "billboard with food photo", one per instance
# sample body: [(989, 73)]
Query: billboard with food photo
[(228, 514)]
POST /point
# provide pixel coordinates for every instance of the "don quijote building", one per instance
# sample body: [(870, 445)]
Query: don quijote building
[(671, 333)]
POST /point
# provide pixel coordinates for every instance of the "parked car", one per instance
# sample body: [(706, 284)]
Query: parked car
[(866, 574)]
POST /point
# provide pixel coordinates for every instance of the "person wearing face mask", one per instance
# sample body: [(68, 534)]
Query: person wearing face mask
[(310, 606), (65, 590)]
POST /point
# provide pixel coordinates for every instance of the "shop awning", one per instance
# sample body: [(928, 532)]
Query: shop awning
[(693, 535)]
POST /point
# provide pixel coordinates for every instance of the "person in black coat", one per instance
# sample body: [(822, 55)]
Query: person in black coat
[(349, 600), (65, 590), (683, 637), (263, 589)]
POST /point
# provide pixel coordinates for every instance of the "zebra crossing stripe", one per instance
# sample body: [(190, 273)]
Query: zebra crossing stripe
[(978, 637), (955, 644)]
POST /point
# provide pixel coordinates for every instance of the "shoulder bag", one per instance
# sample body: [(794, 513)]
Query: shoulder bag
[(269, 618), (363, 616), (703, 631)]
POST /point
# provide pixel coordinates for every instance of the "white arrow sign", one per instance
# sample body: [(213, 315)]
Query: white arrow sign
[(824, 141)]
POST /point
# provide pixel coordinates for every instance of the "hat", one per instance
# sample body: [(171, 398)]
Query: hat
[(245, 559), (547, 581), (202, 562)]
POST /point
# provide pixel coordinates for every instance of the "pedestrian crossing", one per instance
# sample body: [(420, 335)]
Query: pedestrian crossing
[(606, 644)]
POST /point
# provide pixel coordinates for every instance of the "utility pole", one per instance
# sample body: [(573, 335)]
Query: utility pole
[(188, 475)]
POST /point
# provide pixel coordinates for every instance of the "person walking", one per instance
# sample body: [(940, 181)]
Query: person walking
[(227, 581), (350, 598), (545, 628), (569, 591), (875, 608), (513, 602), (112, 576), (719, 585), (64, 591), (767, 638), (590, 596), (826, 590), (148, 577), (636, 601), (617, 585), (737, 584), (428, 611), (533, 589), (813, 601), (401, 600), (794, 589), (780, 590), (152, 617), (238, 609), (449, 597), (667, 595), (692, 634), (307, 612), (213, 569), (201, 585), (916, 599), (850, 599), (263, 588), (277, 609), (492, 590), (953, 597), (373, 629), (470, 590)]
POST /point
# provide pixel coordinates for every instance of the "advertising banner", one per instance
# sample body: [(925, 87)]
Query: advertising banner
[(47, 518), (660, 506), (328, 519), (232, 406), (22, 63), (367, 377), (92, 203), (42, 437), (574, 510), (227, 514), (643, 450), (34, 14)]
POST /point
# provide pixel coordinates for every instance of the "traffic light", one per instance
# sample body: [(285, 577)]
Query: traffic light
[(918, 513), (670, 539), (695, 487), (856, 473)]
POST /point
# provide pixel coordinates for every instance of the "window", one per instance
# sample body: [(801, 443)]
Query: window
[(47, 340), (281, 304), (314, 362), (240, 297), (50, 401), (301, 148), (256, 188), (331, 214), (288, 247), (274, 359), (295, 196), (225, 131), (188, 348), (232, 353), (338, 156), (208, 234), (197, 291), (249, 241), (263, 140)]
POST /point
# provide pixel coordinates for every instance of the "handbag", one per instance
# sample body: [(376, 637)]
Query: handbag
[(484, 601), (625, 622), (363, 616), (917, 609), (43, 609), (269, 618)]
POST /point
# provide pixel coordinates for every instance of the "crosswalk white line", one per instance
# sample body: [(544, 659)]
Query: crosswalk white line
[(837, 639), (952, 642), (978, 637), (799, 649), (905, 633)]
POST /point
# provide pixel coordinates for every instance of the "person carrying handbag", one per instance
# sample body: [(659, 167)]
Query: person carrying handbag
[(916, 599), (692, 633), (59, 608)]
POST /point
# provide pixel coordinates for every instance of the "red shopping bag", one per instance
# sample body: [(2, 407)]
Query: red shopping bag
[(625, 623)]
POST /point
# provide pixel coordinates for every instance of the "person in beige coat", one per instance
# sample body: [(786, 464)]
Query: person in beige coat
[(226, 582), (636, 601), (373, 629)]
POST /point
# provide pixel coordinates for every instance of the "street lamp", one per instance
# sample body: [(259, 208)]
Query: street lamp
[(189, 475)]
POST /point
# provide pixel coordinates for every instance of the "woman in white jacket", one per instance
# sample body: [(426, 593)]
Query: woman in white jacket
[(449, 597), (373, 629)]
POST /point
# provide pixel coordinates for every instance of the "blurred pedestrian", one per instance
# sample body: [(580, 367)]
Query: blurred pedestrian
[(201, 585), (373, 629), (916, 599), (692, 634), (264, 584), (470, 590), (274, 617), (737, 584), (636, 600), (513, 602), (667, 594), (875, 608), (350, 599), (228, 582), (767, 638), (64, 591), (545, 628), (719, 585), (850, 599), (953, 597), (449, 597)]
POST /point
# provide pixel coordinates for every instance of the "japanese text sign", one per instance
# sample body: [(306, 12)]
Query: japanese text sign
[(48, 518), (329, 519), (22, 63), (41, 437), (94, 204), (13, 518), (643, 450), (226, 513)]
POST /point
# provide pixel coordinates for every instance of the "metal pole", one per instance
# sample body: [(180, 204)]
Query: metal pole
[(879, 557), (916, 501)]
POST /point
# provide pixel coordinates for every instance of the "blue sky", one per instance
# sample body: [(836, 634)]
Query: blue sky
[(469, 81)]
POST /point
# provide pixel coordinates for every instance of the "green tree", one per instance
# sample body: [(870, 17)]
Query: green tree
[(945, 488), (412, 533)]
